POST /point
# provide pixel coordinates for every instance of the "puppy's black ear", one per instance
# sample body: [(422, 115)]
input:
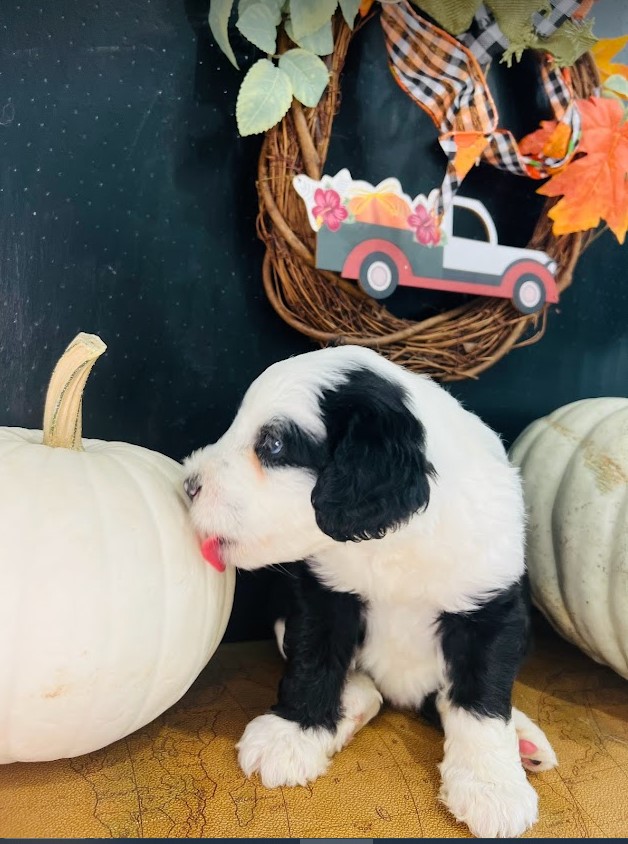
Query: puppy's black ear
[(377, 476)]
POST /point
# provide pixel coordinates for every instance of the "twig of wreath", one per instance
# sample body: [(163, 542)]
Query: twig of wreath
[(453, 345)]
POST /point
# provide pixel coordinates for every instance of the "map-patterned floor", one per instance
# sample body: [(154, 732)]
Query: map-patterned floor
[(178, 777)]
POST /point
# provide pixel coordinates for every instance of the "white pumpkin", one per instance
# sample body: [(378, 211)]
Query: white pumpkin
[(574, 464), (108, 611)]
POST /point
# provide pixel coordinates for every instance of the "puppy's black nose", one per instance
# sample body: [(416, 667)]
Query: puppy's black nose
[(192, 486)]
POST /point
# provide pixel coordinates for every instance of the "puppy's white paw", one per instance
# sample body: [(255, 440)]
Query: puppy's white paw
[(536, 753), (361, 701), (281, 752), (491, 807), (483, 782)]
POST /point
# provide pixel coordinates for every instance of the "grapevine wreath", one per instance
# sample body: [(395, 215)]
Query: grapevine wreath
[(458, 343)]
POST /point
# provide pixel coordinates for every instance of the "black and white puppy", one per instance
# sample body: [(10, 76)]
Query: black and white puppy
[(410, 522)]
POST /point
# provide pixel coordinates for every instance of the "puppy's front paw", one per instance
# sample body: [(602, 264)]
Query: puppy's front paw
[(281, 752), (502, 806)]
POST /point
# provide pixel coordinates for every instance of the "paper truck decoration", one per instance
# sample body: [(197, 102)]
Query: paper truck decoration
[(382, 238)]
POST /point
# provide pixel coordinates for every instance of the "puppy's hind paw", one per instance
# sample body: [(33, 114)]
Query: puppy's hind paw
[(536, 753)]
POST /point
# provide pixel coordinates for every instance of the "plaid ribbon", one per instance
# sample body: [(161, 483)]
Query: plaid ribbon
[(560, 11), (446, 78), (486, 40)]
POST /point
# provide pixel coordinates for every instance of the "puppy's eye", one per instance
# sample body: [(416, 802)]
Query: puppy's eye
[(274, 446), (270, 446)]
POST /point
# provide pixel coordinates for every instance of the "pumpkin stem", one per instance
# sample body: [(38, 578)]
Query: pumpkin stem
[(63, 411)]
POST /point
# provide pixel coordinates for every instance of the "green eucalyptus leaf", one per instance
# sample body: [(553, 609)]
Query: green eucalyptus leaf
[(264, 97), (309, 15), (258, 24), (617, 84), (274, 6), (219, 12), (307, 73), (349, 10), (320, 42)]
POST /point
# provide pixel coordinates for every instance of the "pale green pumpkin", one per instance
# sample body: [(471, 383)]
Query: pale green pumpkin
[(574, 464), (108, 611)]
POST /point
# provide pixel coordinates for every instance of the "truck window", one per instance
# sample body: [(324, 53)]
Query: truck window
[(467, 224)]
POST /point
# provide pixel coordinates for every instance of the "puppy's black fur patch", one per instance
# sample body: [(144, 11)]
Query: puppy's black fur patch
[(299, 449), (376, 476), (484, 649), (323, 629), (429, 712)]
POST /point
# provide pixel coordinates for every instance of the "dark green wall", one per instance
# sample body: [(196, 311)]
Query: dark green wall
[(127, 208)]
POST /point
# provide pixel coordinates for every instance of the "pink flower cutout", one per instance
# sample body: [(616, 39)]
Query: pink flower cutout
[(424, 225), (329, 208)]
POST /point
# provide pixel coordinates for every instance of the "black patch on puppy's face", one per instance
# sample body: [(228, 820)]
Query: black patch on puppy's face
[(282, 443), (376, 475)]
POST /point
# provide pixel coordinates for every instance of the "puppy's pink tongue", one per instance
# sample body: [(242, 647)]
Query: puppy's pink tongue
[(210, 549)]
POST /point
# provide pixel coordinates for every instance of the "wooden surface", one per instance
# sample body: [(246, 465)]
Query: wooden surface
[(178, 777)]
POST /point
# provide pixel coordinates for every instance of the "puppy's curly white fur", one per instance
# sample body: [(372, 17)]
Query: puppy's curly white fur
[(409, 522)]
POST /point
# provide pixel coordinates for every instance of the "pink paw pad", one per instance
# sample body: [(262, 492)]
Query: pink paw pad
[(526, 750)]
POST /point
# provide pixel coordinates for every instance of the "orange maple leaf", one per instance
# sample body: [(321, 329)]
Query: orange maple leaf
[(469, 147), (605, 50), (594, 186), (550, 141)]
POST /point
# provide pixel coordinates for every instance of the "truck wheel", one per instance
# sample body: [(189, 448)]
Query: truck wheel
[(528, 295), (379, 275)]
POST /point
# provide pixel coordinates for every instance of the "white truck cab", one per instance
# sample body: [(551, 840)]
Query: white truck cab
[(487, 258)]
